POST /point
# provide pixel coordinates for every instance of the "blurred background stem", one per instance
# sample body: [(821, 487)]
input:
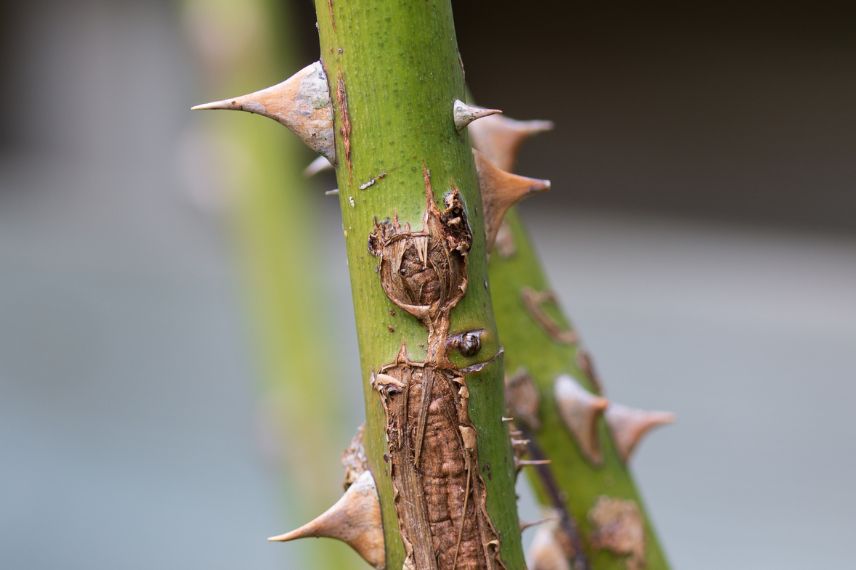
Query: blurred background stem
[(241, 47)]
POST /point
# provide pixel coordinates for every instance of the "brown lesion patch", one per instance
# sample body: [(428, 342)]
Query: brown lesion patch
[(618, 527), (439, 490), (432, 444), (425, 272), (534, 302)]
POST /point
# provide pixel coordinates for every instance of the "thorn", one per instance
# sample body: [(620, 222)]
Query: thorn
[(580, 411), (320, 164), (521, 463), (355, 519), (525, 525), (499, 137), (333, 192), (506, 420), (629, 425), (301, 103), (500, 190), (465, 114)]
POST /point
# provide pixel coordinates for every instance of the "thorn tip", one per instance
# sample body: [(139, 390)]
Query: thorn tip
[(301, 103), (355, 519), (500, 137), (464, 114), (500, 190), (630, 425)]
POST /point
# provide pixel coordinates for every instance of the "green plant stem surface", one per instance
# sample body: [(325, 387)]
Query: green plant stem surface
[(395, 64)]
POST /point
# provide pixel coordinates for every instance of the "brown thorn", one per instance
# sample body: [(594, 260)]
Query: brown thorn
[(301, 103), (500, 190), (580, 410), (629, 425), (499, 137), (355, 519)]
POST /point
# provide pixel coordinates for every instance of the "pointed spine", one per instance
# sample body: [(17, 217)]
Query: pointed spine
[(526, 525), (580, 410), (500, 190), (499, 137), (629, 426), (301, 103), (521, 463), (320, 164), (354, 519), (464, 114)]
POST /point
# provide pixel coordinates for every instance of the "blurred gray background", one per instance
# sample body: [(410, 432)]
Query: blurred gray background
[(700, 232)]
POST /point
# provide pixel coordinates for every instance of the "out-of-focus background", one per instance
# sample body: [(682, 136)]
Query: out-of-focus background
[(700, 231)]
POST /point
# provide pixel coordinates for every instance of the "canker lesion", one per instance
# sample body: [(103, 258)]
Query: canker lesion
[(432, 444)]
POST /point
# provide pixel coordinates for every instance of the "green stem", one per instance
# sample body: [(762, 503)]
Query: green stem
[(394, 71), (530, 347)]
